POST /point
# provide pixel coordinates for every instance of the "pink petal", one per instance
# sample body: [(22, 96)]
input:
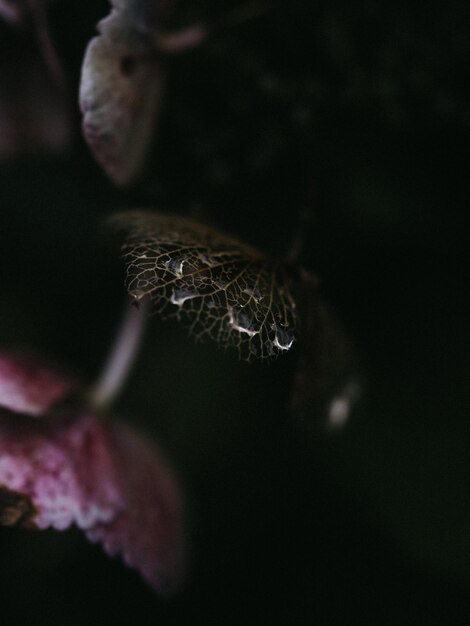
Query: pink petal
[(12, 10), (34, 103), (149, 531), (101, 477), (65, 466), (32, 388)]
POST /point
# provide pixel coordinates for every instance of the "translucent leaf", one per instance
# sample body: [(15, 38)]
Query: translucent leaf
[(120, 90), (218, 286), (327, 382)]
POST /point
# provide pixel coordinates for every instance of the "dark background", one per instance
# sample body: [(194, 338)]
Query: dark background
[(359, 111)]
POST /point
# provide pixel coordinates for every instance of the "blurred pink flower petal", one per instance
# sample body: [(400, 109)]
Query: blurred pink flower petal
[(149, 532), (77, 469), (65, 466), (30, 387), (121, 88), (12, 10), (34, 103)]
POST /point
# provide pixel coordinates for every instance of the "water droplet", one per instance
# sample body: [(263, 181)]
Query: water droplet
[(239, 320), (179, 296), (137, 294), (341, 405), (175, 266), (282, 339)]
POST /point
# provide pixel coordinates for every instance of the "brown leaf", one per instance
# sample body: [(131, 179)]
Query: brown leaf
[(220, 287), (16, 509)]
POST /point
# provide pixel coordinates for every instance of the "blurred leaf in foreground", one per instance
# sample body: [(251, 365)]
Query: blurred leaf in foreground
[(327, 382)]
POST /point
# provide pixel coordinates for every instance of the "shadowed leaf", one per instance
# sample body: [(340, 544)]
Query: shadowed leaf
[(218, 286), (327, 382)]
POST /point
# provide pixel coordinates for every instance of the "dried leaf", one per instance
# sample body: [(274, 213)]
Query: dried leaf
[(327, 382), (120, 90), (220, 287), (16, 509)]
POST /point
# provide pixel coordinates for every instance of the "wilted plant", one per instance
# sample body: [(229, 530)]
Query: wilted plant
[(60, 462)]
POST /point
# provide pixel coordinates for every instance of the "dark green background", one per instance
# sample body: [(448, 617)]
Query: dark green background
[(361, 112)]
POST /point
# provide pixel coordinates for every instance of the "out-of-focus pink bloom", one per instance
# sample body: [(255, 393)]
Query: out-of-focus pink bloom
[(75, 468), (34, 99), (120, 91), (30, 387), (11, 10)]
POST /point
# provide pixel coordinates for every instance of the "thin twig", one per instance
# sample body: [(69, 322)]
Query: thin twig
[(122, 356)]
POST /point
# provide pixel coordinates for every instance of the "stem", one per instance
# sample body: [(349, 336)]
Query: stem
[(191, 36), (122, 356), (46, 46)]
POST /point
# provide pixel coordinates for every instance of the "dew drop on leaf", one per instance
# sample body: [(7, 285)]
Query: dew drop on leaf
[(240, 321), (218, 286), (179, 296), (282, 340)]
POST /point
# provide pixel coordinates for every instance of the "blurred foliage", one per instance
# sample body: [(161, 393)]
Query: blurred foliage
[(361, 112)]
